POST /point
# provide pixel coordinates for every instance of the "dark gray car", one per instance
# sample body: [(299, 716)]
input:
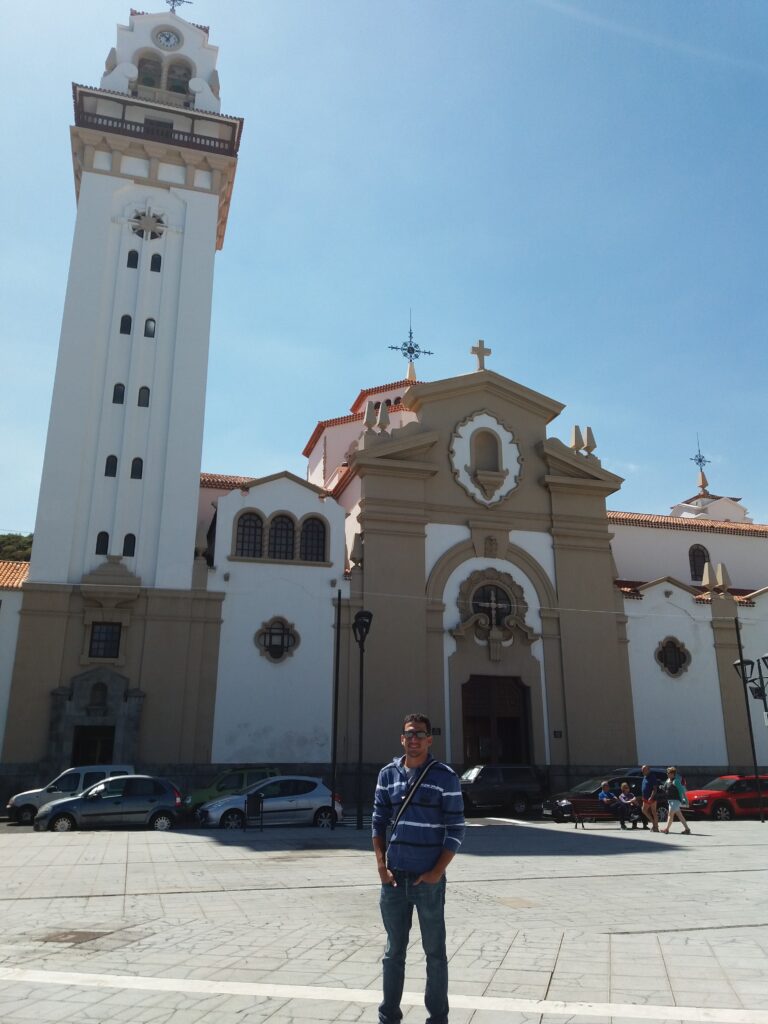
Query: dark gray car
[(123, 800)]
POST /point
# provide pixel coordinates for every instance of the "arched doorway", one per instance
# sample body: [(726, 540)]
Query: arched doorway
[(496, 718)]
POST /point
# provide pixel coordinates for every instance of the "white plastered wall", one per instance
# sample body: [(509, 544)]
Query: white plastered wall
[(267, 711), (677, 720)]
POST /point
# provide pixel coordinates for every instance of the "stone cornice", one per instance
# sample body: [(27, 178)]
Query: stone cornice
[(485, 382)]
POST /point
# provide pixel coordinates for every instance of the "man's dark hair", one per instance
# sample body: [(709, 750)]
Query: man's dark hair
[(414, 719)]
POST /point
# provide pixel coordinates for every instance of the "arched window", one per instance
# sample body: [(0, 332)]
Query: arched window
[(137, 469), (110, 466), (118, 394), (150, 72), (129, 545), (312, 542), (149, 328), (698, 557), (156, 262), (144, 397), (133, 259), (485, 451), (281, 538), (125, 324), (179, 75), (248, 537), (102, 543)]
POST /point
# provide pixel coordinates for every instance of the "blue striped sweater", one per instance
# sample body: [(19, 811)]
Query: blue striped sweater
[(433, 820)]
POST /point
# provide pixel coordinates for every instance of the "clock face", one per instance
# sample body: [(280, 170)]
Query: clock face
[(167, 39)]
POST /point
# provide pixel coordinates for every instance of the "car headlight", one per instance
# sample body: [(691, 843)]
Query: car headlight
[(563, 803)]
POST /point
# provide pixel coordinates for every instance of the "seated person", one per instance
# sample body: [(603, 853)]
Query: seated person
[(633, 806), (612, 803)]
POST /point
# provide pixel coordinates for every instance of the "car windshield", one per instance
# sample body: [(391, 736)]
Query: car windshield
[(587, 787), (471, 773), (720, 784)]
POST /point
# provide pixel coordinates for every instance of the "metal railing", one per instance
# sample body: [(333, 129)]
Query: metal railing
[(137, 129)]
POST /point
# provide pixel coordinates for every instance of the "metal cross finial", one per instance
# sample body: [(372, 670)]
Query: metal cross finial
[(409, 348), (173, 4), (481, 352), (698, 458)]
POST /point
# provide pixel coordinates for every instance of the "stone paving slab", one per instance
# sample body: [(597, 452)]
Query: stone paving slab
[(545, 924)]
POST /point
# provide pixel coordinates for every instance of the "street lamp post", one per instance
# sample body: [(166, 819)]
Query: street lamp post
[(756, 686), (361, 627)]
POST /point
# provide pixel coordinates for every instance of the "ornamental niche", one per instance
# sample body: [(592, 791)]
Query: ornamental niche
[(484, 458), (492, 609)]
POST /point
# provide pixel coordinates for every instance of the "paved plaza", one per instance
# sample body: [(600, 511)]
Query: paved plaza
[(545, 924)]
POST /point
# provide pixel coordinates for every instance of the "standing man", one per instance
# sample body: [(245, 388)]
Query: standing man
[(425, 838), (648, 792)]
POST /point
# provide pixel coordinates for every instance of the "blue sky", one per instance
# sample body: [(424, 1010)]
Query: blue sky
[(582, 183)]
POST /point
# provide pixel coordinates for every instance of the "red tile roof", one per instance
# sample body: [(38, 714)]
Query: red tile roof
[(357, 405), (682, 523), (307, 450), (12, 574), (223, 482), (631, 590)]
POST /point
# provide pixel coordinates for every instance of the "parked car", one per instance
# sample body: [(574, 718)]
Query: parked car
[(287, 800), (558, 806), (513, 787), (232, 780), (24, 806), (122, 800), (729, 796)]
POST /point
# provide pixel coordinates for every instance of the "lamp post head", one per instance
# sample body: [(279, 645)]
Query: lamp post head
[(361, 626), (744, 668)]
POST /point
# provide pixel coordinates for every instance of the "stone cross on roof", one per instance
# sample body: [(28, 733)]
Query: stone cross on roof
[(481, 352)]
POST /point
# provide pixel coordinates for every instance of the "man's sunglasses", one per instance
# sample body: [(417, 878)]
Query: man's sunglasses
[(416, 734)]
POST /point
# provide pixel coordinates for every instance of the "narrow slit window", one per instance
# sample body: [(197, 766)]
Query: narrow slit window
[(129, 545), (156, 263), (133, 259), (698, 556), (118, 394), (137, 469), (149, 327), (102, 543), (126, 324), (110, 466), (144, 397)]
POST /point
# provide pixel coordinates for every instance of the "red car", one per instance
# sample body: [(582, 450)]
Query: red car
[(729, 796)]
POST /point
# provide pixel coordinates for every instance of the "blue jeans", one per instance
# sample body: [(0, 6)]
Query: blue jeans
[(397, 903)]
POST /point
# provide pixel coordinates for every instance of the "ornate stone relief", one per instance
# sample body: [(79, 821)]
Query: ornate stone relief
[(277, 639), (673, 656), (492, 609), (485, 458)]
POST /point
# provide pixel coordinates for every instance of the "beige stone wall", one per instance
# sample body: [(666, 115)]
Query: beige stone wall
[(169, 651)]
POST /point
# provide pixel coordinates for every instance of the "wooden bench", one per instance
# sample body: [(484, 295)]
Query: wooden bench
[(581, 810)]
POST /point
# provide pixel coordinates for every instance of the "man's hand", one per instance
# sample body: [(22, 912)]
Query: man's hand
[(430, 877), (386, 876)]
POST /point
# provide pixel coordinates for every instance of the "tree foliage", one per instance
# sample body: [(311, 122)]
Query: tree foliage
[(16, 547)]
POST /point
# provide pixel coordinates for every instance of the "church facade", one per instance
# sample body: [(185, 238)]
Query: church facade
[(178, 619)]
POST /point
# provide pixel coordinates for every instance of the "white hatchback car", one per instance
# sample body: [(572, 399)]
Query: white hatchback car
[(287, 800)]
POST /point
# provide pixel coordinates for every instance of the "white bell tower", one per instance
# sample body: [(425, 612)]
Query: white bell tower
[(154, 164)]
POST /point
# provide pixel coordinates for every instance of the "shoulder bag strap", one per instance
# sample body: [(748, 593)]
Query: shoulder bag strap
[(411, 792)]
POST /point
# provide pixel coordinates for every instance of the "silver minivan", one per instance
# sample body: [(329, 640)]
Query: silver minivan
[(24, 806)]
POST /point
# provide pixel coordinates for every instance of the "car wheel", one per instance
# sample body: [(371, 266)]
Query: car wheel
[(62, 823), (162, 822), (26, 814), (722, 812), (323, 817), (232, 819), (519, 805)]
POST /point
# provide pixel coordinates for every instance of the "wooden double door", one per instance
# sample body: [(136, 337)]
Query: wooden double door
[(496, 718)]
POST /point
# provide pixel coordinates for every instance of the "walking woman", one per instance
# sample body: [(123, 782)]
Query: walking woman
[(675, 797)]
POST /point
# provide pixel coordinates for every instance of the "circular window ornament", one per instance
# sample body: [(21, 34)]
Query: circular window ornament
[(277, 639), (147, 224), (485, 458), (673, 656)]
